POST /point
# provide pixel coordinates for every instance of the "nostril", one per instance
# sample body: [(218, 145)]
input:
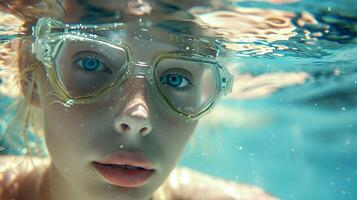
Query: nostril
[(125, 127), (144, 131)]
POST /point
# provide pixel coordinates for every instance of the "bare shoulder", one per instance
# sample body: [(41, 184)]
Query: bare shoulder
[(198, 185), (18, 174)]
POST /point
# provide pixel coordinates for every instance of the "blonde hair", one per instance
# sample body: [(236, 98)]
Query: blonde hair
[(22, 118)]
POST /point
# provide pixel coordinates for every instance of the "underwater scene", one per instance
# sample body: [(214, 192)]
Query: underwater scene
[(289, 125)]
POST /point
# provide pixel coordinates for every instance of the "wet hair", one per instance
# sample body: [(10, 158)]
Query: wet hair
[(23, 121)]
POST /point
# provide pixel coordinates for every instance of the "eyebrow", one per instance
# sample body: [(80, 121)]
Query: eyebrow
[(96, 14)]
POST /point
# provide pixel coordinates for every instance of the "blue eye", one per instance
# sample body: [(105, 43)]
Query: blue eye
[(174, 80), (91, 64)]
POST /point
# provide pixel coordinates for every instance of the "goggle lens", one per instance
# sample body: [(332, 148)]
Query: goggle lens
[(189, 86), (86, 67)]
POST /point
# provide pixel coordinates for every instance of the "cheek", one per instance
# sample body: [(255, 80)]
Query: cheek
[(70, 132), (171, 133), (64, 135), (79, 127)]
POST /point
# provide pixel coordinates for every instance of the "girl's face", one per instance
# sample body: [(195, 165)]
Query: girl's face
[(77, 136)]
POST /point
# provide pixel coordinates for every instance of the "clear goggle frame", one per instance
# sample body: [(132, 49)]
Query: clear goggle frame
[(83, 67)]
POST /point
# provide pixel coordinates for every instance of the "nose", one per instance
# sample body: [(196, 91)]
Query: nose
[(134, 118)]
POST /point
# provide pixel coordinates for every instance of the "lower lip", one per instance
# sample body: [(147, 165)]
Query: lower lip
[(123, 177)]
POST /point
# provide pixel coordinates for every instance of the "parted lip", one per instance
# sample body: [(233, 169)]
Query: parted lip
[(135, 159)]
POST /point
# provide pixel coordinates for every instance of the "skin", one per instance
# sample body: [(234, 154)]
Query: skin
[(78, 135)]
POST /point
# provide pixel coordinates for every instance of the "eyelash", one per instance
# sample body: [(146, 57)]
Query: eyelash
[(107, 69), (183, 89)]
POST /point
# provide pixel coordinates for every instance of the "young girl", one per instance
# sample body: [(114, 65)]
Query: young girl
[(119, 99)]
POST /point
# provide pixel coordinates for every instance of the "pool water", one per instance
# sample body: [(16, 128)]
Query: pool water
[(300, 141), (290, 127)]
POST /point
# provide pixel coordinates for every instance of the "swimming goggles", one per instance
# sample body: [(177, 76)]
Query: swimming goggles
[(83, 65)]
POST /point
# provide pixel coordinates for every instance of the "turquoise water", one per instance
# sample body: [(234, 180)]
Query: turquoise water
[(299, 140), (305, 148)]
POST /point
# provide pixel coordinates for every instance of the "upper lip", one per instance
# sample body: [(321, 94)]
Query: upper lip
[(127, 158)]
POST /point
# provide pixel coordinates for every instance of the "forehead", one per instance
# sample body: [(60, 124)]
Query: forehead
[(145, 42), (156, 29), (143, 45)]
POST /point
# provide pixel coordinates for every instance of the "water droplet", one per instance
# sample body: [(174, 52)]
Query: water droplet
[(68, 103)]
